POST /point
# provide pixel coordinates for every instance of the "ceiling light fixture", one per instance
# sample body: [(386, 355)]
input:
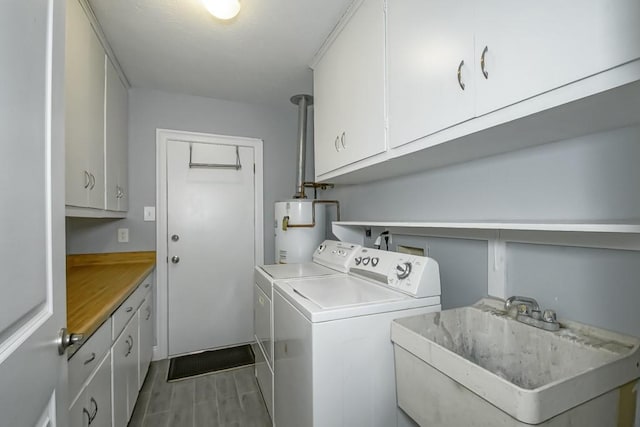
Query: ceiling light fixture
[(222, 9)]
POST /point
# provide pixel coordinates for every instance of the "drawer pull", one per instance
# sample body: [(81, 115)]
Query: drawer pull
[(91, 359), (129, 309), (146, 285), (85, 412), (95, 412)]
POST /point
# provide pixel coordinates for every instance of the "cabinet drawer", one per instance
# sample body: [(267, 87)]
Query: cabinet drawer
[(87, 358), (128, 308)]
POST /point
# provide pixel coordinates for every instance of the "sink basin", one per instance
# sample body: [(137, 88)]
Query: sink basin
[(477, 366)]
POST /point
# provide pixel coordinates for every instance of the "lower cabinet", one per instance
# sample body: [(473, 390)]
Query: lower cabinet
[(124, 356), (106, 373), (145, 315), (93, 405)]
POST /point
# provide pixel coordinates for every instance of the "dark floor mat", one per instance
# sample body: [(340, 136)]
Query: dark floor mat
[(209, 361)]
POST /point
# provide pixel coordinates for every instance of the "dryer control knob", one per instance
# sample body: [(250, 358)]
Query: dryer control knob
[(403, 270), (365, 260), (374, 261), (358, 260)]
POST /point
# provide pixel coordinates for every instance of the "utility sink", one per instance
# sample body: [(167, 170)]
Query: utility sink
[(477, 366)]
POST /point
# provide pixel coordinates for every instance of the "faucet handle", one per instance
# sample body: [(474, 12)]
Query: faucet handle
[(549, 316)]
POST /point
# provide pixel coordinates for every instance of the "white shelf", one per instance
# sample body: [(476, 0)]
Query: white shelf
[(588, 227), (623, 235)]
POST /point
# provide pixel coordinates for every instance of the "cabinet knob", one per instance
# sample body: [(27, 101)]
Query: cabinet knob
[(175, 259)]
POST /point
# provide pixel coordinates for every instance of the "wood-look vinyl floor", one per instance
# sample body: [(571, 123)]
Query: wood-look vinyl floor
[(225, 399)]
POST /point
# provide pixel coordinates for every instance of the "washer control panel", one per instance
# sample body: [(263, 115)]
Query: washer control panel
[(414, 275), (336, 255)]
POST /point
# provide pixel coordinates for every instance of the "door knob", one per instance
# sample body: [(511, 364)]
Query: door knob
[(65, 340), (175, 238), (175, 259)]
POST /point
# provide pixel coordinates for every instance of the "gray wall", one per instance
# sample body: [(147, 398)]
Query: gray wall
[(589, 178), (149, 110)]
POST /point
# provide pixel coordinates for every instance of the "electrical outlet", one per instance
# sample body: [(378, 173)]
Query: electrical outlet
[(149, 213), (123, 235)]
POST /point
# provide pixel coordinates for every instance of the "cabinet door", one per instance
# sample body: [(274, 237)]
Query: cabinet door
[(537, 46), (427, 42), (125, 373), (349, 89), (116, 145), (98, 395), (84, 111), (146, 337)]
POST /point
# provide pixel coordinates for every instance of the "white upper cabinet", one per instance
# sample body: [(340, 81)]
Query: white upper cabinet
[(470, 80), (84, 114), (349, 89), (536, 46), (116, 131), (96, 115), (431, 67)]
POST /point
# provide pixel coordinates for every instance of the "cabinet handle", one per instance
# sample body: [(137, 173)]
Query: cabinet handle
[(337, 143), (91, 359), (130, 344), (342, 141), (95, 413), (485, 73), (462, 85), (129, 309), (93, 181), (85, 412), (148, 313), (87, 179), (146, 285)]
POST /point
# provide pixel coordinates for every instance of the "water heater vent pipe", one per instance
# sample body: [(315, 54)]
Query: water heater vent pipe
[(303, 102)]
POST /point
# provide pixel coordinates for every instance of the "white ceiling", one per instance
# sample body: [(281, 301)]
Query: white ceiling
[(261, 56)]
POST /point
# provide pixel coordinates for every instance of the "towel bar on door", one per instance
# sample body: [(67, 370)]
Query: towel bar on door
[(236, 166)]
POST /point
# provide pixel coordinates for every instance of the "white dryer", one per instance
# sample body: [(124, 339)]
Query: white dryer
[(331, 258), (333, 353)]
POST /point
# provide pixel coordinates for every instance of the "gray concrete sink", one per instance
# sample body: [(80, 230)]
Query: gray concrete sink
[(476, 366)]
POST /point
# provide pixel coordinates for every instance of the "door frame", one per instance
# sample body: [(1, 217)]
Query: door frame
[(161, 350)]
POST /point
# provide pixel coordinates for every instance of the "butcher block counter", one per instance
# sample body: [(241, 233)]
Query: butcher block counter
[(98, 283)]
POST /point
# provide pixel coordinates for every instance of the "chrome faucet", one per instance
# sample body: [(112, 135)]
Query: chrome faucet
[(530, 303), (529, 312)]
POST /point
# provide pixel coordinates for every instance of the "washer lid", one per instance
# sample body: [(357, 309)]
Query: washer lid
[(293, 271), (346, 291)]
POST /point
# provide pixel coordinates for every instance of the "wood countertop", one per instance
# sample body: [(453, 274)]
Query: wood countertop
[(98, 283)]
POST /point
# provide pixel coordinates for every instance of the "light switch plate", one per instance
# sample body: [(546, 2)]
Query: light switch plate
[(149, 213), (123, 235)]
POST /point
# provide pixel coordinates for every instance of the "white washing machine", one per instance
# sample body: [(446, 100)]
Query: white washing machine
[(331, 258), (333, 353)]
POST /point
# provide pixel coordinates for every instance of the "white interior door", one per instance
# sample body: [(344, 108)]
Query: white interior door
[(32, 253), (211, 245)]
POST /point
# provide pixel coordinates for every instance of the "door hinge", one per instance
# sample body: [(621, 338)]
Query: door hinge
[(167, 260)]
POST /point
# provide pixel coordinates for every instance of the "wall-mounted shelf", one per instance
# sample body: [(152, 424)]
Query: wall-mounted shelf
[(600, 234), (619, 235)]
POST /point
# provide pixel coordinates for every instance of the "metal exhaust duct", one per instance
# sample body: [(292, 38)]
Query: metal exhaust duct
[(303, 102)]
